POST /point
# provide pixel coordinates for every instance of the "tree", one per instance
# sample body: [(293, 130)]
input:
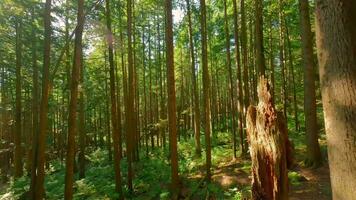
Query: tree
[(72, 118), (260, 57), (194, 84), (267, 135), (206, 89), (114, 121), (35, 94), (130, 120), (172, 110), (18, 124), (311, 127), (336, 47), (239, 77), (37, 181), (231, 82)]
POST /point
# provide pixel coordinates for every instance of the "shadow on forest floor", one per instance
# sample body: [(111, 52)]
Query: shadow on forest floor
[(230, 178)]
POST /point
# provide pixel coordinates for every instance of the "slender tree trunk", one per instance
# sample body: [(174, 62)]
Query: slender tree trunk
[(206, 89), (291, 65), (194, 84), (171, 91), (107, 111), (231, 82), (18, 119), (273, 88), (72, 118), (282, 55), (239, 78), (336, 46), (35, 96), (82, 136), (311, 127), (260, 57), (37, 182), (244, 49), (131, 130), (114, 121)]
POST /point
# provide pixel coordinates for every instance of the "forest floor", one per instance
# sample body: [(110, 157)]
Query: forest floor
[(230, 177)]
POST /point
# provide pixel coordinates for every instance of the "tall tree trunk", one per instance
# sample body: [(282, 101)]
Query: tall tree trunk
[(82, 136), (37, 182), (131, 129), (231, 82), (194, 84), (18, 119), (260, 57), (291, 65), (245, 75), (336, 45), (114, 121), (72, 118), (107, 110), (239, 77), (206, 89), (311, 127), (171, 91), (35, 95), (282, 55)]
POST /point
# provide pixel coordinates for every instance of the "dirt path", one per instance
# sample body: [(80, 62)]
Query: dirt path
[(316, 185), (313, 185)]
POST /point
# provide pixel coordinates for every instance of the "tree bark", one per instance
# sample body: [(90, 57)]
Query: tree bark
[(260, 58), (18, 119), (131, 130), (336, 47), (267, 135), (37, 181), (72, 118), (239, 78), (114, 121), (230, 83), (206, 89), (171, 91), (194, 84), (311, 127)]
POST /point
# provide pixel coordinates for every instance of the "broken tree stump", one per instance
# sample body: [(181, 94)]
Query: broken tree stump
[(270, 148)]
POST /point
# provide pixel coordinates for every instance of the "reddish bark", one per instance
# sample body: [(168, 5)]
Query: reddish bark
[(269, 147)]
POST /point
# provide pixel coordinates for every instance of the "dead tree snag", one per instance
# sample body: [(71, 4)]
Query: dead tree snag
[(269, 148)]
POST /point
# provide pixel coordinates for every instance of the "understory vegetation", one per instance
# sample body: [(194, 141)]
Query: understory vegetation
[(152, 175)]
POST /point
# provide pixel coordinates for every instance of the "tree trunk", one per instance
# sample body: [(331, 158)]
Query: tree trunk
[(172, 110), (231, 82), (267, 135), (194, 84), (260, 57), (131, 129), (37, 181), (282, 56), (239, 78), (35, 96), (82, 136), (336, 45), (18, 119), (114, 121), (72, 118), (206, 89), (311, 127)]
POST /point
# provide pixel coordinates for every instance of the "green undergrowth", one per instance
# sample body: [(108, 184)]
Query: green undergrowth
[(152, 172), (152, 175)]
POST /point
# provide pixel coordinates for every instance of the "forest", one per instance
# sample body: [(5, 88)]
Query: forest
[(178, 99)]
